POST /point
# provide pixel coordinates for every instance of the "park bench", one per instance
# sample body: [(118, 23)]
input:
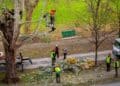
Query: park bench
[(22, 60), (68, 33), (19, 61)]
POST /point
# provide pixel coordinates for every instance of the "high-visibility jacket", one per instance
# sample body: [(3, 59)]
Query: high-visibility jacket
[(57, 69), (108, 59), (52, 54), (116, 64)]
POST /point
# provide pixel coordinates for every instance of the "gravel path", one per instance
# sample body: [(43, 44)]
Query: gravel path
[(47, 61)]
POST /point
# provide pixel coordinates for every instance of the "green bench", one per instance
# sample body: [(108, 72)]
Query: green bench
[(68, 33)]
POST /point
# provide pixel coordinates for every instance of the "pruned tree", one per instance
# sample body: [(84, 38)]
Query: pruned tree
[(10, 28), (10, 23), (99, 13)]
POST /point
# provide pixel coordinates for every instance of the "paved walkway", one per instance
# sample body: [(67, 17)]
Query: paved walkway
[(47, 61)]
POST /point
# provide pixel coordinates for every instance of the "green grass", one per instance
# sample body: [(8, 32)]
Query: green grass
[(67, 12)]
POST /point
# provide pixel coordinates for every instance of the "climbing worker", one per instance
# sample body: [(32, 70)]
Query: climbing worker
[(57, 51), (53, 57), (65, 53), (57, 71), (52, 20), (116, 65), (108, 62)]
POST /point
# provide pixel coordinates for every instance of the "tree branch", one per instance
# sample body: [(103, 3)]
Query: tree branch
[(16, 23), (105, 37)]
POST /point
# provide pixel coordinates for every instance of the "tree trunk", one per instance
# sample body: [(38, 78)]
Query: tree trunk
[(11, 74), (10, 32), (96, 55), (96, 46), (9, 43), (9, 48)]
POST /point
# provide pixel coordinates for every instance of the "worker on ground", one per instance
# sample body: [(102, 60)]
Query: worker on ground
[(116, 65), (65, 53), (58, 72), (57, 51), (108, 62), (53, 57)]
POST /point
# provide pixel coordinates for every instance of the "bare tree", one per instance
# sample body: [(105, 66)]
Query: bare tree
[(99, 13), (10, 23), (9, 26)]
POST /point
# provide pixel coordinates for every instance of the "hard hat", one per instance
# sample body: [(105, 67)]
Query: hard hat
[(52, 12)]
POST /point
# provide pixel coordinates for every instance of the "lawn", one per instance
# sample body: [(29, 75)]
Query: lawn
[(67, 13)]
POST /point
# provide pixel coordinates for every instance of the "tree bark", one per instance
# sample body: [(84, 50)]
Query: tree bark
[(96, 54), (9, 48), (7, 28), (11, 73)]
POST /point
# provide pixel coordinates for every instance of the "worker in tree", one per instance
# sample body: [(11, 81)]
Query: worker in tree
[(108, 62), (57, 71), (52, 20), (65, 53), (53, 57), (57, 51), (116, 65)]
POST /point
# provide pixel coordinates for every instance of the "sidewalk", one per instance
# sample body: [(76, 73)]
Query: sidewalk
[(47, 61)]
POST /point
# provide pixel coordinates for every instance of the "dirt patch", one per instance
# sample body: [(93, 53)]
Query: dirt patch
[(90, 77), (74, 45)]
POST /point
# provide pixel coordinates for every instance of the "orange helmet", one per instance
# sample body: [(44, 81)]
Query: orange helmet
[(52, 12)]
